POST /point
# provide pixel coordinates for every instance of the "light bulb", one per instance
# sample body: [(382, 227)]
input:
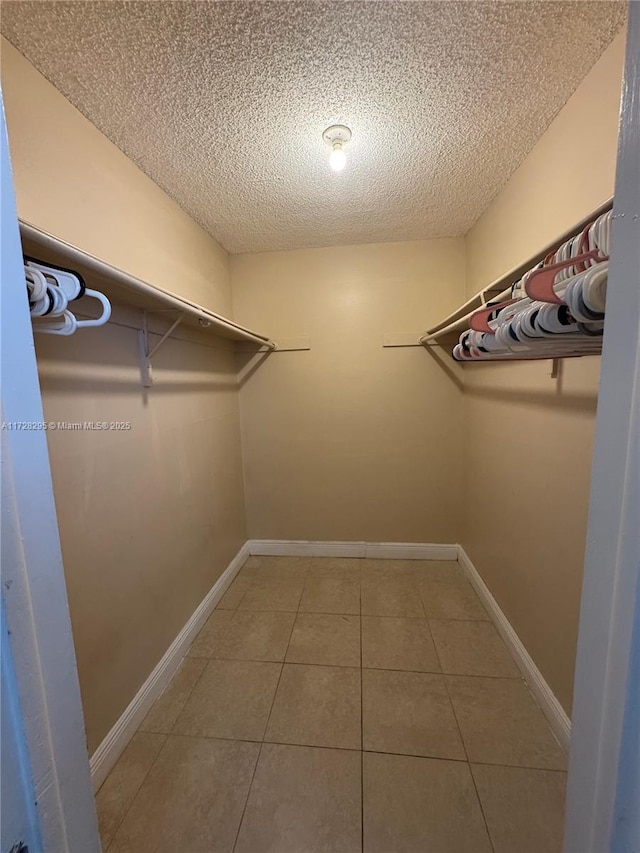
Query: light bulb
[(337, 158), (336, 137)]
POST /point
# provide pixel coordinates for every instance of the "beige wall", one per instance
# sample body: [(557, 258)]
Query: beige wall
[(74, 183), (529, 437), (150, 517), (350, 441)]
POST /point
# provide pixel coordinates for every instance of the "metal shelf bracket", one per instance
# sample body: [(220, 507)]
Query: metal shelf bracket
[(147, 353)]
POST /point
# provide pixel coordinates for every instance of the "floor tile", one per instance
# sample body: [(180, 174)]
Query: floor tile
[(213, 630), (472, 648), (440, 570), (317, 706), (303, 800), (395, 643), (336, 567), (501, 723), (384, 596), (284, 567), (391, 569), (122, 784), (277, 593), (167, 707), (450, 600), (434, 570), (413, 805), (235, 593), (524, 808), (325, 639), (332, 594), (244, 635), (409, 713), (231, 700), (188, 793), (192, 799)]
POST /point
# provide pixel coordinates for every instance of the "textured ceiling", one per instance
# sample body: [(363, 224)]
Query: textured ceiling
[(223, 104)]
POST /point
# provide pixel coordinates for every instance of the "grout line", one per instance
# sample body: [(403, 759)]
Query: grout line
[(184, 705), (518, 677), (168, 686), (323, 665), (453, 710), (304, 587), (371, 751), (416, 584), (281, 612), (138, 789), (284, 660), (484, 817), (464, 746), (198, 680), (371, 615), (139, 730), (327, 613), (237, 607), (246, 801), (273, 700), (413, 755), (217, 737), (275, 692), (262, 742), (253, 610), (519, 767), (195, 684)]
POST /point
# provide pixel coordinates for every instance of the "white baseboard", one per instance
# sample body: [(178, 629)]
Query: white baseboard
[(302, 548), (549, 704), (410, 551), (111, 748), (379, 550)]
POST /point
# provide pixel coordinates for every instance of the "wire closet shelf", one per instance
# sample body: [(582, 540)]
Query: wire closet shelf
[(41, 247), (552, 306)]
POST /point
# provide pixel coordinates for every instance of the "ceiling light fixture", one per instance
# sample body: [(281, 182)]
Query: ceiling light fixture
[(336, 138)]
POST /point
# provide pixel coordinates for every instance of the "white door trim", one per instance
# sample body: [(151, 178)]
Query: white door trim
[(33, 583), (596, 792)]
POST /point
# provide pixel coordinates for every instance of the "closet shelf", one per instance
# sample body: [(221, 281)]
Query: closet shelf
[(132, 291), (458, 320), (451, 326)]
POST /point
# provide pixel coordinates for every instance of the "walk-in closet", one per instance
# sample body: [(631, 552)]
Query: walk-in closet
[(319, 444)]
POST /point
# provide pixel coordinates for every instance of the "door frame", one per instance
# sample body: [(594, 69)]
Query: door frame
[(603, 801), (35, 592), (33, 582)]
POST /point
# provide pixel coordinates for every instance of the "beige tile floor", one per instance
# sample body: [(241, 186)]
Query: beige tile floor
[(338, 705)]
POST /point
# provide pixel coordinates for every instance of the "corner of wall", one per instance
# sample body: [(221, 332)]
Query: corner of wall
[(569, 172), (74, 183)]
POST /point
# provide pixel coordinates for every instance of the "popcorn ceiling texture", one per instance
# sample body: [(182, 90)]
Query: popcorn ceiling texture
[(223, 104)]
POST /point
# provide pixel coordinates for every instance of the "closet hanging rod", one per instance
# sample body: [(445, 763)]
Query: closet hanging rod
[(461, 322), (73, 256), (557, 309), (500, 289)]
